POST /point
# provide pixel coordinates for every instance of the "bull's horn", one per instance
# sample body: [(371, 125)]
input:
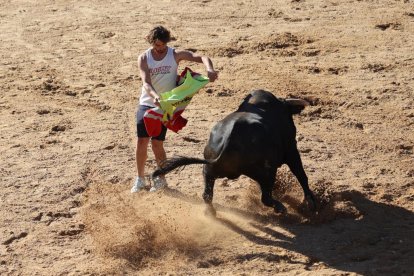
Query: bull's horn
[(297, 102)]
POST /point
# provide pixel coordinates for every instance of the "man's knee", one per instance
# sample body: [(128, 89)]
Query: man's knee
[(142, 141), (157, 144), (142, 145)]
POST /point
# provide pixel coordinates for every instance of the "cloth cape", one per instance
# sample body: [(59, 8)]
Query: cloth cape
[(173, 103)]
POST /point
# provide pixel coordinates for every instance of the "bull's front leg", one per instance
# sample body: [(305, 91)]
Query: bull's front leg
[(295, 164), (209, 180)]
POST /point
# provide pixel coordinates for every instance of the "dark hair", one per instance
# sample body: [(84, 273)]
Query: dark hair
[(158, 33)]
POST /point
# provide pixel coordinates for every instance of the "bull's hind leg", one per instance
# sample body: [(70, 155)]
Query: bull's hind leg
[(295, 164), (209, 180)]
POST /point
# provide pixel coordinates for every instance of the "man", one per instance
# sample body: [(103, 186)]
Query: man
[(158, 69)]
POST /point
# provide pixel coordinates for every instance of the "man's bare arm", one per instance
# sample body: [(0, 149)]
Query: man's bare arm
[(190, 56), (146, 78)]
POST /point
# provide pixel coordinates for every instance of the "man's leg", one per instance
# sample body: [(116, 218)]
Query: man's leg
[(141, 158), (159, 151), (141, 150), (160, 156), (141, 155)]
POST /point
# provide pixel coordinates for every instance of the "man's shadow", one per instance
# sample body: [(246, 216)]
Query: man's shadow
[(379, 242)]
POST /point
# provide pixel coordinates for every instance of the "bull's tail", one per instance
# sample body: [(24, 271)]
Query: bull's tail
[(173, 163)]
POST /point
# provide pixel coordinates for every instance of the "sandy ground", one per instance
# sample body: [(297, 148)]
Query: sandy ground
[(69, 86)]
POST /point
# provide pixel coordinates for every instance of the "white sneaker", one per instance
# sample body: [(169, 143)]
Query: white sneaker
[(138, 185), (159, 183)]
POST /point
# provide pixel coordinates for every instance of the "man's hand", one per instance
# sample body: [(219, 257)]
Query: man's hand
[(212, 75), (157, 101)]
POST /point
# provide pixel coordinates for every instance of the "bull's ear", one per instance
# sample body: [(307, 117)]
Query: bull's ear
[(296, 105), (295, 109)]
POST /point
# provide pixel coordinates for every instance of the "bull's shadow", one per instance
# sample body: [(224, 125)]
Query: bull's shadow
[(380, 242)]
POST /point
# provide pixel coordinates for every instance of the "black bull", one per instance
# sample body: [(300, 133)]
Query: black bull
[(254, 141)]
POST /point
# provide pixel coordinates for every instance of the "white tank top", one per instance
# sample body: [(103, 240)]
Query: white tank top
[(163, 75)]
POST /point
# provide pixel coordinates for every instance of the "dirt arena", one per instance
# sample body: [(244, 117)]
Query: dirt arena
[(69, 86)]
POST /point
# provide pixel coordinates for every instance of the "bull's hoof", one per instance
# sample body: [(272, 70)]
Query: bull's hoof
[(311, 201), (279, 208), (210, 211)]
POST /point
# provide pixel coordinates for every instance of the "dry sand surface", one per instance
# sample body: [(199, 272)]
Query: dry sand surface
[(69, 85)]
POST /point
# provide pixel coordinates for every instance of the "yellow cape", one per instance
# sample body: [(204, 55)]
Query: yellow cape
[(181, 96)]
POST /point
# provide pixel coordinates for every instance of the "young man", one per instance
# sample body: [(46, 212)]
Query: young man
[(158, 69)]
